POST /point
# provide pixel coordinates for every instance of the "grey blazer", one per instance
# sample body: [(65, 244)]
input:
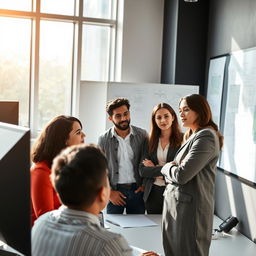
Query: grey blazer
[(109, 144), (148, 173), (189, 196)]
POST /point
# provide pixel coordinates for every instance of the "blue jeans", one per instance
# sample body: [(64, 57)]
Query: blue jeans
[(134, 202)]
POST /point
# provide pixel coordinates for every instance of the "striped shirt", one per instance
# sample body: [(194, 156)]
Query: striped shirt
[(66, 232)]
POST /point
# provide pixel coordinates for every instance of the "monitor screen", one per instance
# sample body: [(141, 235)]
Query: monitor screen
[(15, 220), (9, 112)]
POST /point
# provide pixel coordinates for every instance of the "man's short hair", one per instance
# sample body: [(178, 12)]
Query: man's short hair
[(116, 103), (78, 173)]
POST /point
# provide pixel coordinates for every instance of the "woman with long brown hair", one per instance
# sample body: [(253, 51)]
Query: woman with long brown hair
[(164, 140), (59, 133), (189, 195)]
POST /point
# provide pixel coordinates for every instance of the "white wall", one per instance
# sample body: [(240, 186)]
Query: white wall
[(92, 109), (142, 41)]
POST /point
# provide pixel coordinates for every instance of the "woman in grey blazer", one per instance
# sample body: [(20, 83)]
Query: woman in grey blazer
[(189, 195), (164, 140)]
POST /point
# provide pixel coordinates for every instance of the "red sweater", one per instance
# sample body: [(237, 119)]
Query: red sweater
[(43, 195)]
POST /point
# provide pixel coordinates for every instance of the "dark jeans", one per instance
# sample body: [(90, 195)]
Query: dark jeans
[(154, 203), (134, 202)]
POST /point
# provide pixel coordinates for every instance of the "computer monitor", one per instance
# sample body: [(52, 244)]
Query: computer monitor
[(15, 218), (9, 112)]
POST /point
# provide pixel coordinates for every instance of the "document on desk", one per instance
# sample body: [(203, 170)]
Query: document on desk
[(130, 221)]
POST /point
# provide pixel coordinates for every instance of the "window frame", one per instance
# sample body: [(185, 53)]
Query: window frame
[(78, 20)]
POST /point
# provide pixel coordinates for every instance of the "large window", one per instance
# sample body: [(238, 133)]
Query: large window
[(15, 63), (47, 47)]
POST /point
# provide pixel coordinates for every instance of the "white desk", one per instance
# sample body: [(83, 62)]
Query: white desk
[(231, 244), (150, 239), (147, 238)]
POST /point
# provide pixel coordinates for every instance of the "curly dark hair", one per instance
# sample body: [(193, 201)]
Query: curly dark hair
[(116, 103)]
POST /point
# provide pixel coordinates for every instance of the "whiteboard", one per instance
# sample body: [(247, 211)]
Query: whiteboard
[(143, 97), (239, 151), (215, 86)]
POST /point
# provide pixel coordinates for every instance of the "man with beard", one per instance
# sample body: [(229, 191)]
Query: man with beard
[(123, 145)]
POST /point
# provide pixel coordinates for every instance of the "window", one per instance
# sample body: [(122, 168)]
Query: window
[(98, 9), (95, 53), (24, 5), (15, 63), (46, 50), (55, 70), (64, 7)]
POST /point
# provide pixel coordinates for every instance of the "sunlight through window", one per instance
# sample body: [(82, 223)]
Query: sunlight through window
[(55, 69), (63, 7), (95, 57), (44, 54), (14, 63), (97, 9), (19, 5)]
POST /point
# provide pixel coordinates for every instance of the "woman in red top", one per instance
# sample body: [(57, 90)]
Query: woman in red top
[(59, 133)]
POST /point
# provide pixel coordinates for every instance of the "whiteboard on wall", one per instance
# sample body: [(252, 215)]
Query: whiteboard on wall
[(239, 130), (143, 97), (215, 86)]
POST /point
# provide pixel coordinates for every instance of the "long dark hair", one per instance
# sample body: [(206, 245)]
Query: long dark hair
[(155, 132), (52, 139), (199, 104)]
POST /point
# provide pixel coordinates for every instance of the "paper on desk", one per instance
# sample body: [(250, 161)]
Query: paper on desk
[(130, 221)]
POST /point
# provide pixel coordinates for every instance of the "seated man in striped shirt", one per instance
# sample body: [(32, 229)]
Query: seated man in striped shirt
[(79, 175)]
